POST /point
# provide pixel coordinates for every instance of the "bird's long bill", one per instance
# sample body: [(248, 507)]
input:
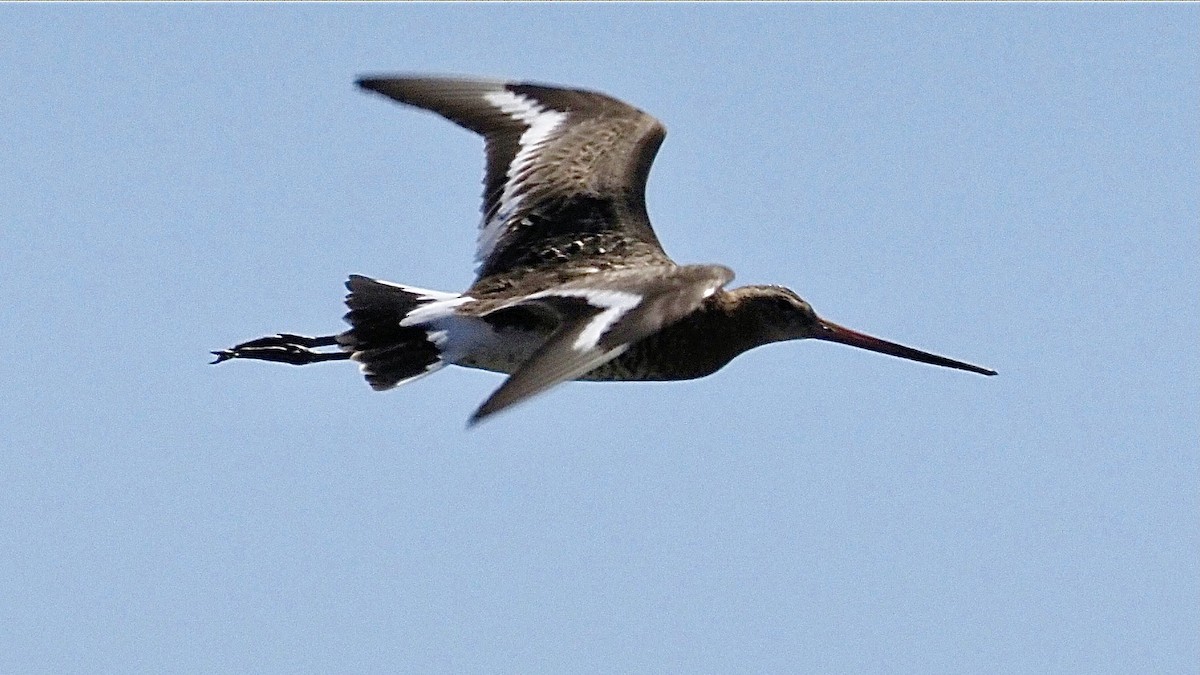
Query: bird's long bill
[(835, 333)]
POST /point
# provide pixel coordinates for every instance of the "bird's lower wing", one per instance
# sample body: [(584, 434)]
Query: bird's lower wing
[(599, 318)]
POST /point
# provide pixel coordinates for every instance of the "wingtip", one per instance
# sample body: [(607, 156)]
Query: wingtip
[(369, 82), (477, 417), (484, 411)]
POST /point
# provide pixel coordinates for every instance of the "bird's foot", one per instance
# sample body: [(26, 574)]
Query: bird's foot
[(283, 348)]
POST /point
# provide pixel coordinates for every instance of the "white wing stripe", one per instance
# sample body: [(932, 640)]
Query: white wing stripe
[(615, 303), (542, 123)]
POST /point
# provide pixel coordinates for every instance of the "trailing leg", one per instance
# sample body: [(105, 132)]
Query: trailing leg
[(296, 350), (388, 350)]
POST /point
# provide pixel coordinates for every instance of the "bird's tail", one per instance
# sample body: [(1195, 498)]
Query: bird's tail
[(390, 353)]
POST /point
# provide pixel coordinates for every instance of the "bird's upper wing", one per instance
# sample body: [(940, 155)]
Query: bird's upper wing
[(563, 165), (600, 316)]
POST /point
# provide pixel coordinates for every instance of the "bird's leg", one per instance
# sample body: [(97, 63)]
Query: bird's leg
[(284, 348)]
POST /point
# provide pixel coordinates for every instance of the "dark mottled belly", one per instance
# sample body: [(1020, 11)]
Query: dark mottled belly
[(684, 351)]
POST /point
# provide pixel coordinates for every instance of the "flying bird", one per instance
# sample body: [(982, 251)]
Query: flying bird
[(572, 282)]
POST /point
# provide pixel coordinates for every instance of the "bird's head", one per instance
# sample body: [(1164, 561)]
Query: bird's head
[(778, 314), (775, 312)]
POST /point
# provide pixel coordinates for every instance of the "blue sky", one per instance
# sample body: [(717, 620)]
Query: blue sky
[(1015, 186)]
